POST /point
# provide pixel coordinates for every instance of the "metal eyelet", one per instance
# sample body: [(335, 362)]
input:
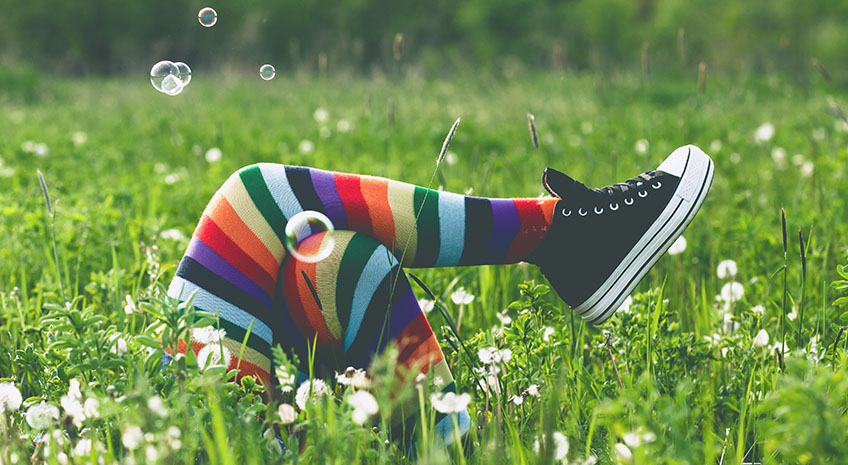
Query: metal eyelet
[(643, 192), (657, 185), (630, 201), (599, 212), (581, 212), (615, 207), (566, 214)]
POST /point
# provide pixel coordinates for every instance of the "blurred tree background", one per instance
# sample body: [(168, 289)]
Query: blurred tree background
[(108, 37)]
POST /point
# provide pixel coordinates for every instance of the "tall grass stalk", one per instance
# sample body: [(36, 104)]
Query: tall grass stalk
[(785, 291), (52, 232)]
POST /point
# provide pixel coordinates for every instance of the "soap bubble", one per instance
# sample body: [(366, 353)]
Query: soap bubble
[(309, 236), (184, 72), (267, 72), (164, 77), (207, 17)]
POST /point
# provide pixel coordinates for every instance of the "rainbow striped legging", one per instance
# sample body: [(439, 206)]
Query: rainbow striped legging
[(360, 301)]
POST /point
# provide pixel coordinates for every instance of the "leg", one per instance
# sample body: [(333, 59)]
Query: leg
[(354, 304)]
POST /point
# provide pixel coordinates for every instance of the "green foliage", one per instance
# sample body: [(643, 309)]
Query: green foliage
[(678, 377)]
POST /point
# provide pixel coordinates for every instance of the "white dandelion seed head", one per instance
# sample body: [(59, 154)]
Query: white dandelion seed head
[(461, 297), (450, 402), (306, 147), (451, 158), (321, 115), (319, 389), (40, 150), (83, 448), (155, 404), (42, 415), (641, 146), (715, 146), (214, 155), (732, 291), (807, 169), (150, 453), (764, 133), (132, 437), (10, 398), (172, 235), (678, 246), (355, 377), (726, 269), (287, 413), (79, 138), (343, 126)]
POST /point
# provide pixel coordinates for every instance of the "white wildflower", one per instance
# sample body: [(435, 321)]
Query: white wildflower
[(678, 246), (364, 405), (40, 150), (71, 403), (321, 115), (726, 269), (306, 147), (150, 453), (517, 400), (119, 345), (625, 306), (42, 416), (807, 169), (792, 315), (764, 133), (90, 408), (83, 448), (208, 335), (504, 318), (814, 347), (641, 146), (732, 291), (172, 178), (343, 125), (493, 356), (356, 377), (461, 297), (10, 398), (286, 380), (28, 146), (129, 306), (319, 389), (426, 305), (560, 446), (761, 339), (547, 333), (155, 404), (533, 390), (213, 355), (79, 138), (287, 413), (450, 402), (758, 309), (172, 235), (451, 158), (715, 146), (214, 155), (62, 458), (132, 437), (623, 452), (778, 155), (173, 437)]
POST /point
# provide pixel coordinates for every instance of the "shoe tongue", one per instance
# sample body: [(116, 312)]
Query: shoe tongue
[(557, 183)]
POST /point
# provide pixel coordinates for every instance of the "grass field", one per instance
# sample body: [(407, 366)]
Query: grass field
[(695, 381)]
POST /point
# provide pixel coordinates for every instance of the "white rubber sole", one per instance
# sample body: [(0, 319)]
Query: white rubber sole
[(695, 181)]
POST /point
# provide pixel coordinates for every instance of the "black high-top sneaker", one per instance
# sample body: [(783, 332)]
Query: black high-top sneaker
[(603, 241)]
